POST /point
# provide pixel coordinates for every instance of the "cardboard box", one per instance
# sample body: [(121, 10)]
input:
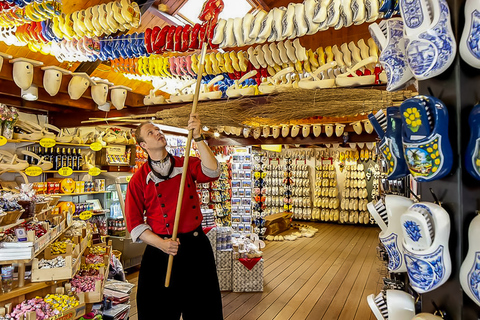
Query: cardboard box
[(277, 223), (245, 280)]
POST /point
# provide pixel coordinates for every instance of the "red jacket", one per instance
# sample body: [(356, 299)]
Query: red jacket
[(156, 205)]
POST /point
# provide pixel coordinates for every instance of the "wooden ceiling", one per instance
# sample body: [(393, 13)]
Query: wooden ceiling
[(150, 18)]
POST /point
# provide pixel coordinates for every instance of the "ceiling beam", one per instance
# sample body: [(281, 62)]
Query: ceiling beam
[(262, 4), (162, 16)]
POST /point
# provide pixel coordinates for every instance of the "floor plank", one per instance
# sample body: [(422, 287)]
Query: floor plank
[(327, 277)]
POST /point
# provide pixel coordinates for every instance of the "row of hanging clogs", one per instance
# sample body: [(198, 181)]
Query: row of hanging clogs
[(33, 12), (294, 21)]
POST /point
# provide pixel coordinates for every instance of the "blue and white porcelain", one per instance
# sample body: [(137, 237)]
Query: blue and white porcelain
[(472, 155), (426, 145), (392, 305), (426, 230), (391, 143), (431, 45), (470, 269), (392, 236), (388, 35), (470, 41)]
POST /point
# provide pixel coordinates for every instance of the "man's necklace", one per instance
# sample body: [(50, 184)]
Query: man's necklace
[(172, 165)]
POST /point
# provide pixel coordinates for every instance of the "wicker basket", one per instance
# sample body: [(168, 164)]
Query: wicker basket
[(53, 200), (117, 254), (11, 217), (40, 206)]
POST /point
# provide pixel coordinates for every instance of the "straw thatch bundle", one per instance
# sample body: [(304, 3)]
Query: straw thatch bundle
[(286, 107)]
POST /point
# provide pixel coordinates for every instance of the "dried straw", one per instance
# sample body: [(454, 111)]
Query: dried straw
[(286, 107)]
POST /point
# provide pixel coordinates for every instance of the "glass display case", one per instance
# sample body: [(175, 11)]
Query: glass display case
[(116, 185)]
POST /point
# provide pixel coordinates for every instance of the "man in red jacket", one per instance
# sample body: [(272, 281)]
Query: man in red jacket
[(150, 204)]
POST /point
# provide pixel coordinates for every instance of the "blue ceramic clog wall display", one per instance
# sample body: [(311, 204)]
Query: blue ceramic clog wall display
[(472, 156), (427, 149), (389, 129), (388, 36), (470, 269), (431, 44), (426, 230), (470, 41)]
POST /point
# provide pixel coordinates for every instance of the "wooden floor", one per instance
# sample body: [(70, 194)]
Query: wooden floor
[(326, 277)]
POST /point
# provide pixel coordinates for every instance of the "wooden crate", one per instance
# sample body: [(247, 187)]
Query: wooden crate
[(53, 274)]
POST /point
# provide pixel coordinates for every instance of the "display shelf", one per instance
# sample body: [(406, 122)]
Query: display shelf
[(8, 226), (71, 194), (26, 289), (79, 171), (67, 143), (94, 214)]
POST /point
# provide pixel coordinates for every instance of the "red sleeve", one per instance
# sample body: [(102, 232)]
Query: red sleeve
[(195, 167), (134, 204)]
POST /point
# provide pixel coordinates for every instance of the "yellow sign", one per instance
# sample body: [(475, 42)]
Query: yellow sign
[(47, 143), (94, 171), (65, 171), (33, 171), (85, 215), (3, 141), (272, 147), (128, 179), (96, 146)]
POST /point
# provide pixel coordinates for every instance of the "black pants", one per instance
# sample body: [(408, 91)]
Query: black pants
[(193, 293)]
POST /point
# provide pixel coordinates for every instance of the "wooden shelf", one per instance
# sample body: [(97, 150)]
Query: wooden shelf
[(80, 171), (67, 143), (28, 288)]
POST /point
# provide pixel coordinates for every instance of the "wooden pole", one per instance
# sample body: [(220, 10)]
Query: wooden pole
[(185, 162)]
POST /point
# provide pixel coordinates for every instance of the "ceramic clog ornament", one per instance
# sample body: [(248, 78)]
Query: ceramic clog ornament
[(472, 155), (470, 269), (469, 43), (368, 126), (426, 231), (317, 130), (237, 91), (357, 127), (431, 46), (426, 145), (390, 133), (52, 79), (246, 132), (276, 130), (388, 36), (78, 84), (118, 95), (339, 129), (314, 82), (23, 71), (343, 80), (387, 214), (392, 305), (257, 26)]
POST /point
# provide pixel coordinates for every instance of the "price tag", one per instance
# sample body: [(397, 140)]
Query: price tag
[(65, 171), (3, 141), (94, 171), (33, 171), (96, 146), (47, 143), (85, 215), (128, 179)]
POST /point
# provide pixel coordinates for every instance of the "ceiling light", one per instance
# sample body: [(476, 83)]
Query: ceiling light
[(31, 94), (216, 134), (205, 128)]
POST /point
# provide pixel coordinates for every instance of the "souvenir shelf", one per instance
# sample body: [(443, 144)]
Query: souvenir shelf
[(221, 195), (299, 179), (326, 193), (274, 189), (259, 195), (355, 196), (242, 184)]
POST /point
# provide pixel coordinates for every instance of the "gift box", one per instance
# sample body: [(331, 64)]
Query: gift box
[(225, 279), (224, 260), (245, 279)]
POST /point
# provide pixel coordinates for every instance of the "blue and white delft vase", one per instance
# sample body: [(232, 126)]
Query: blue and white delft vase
[(392, 237), (392, 57), (391, 143), (430, 44), (427, 151), (472, 156), (470, 42), (426, 230), (470, 269)]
